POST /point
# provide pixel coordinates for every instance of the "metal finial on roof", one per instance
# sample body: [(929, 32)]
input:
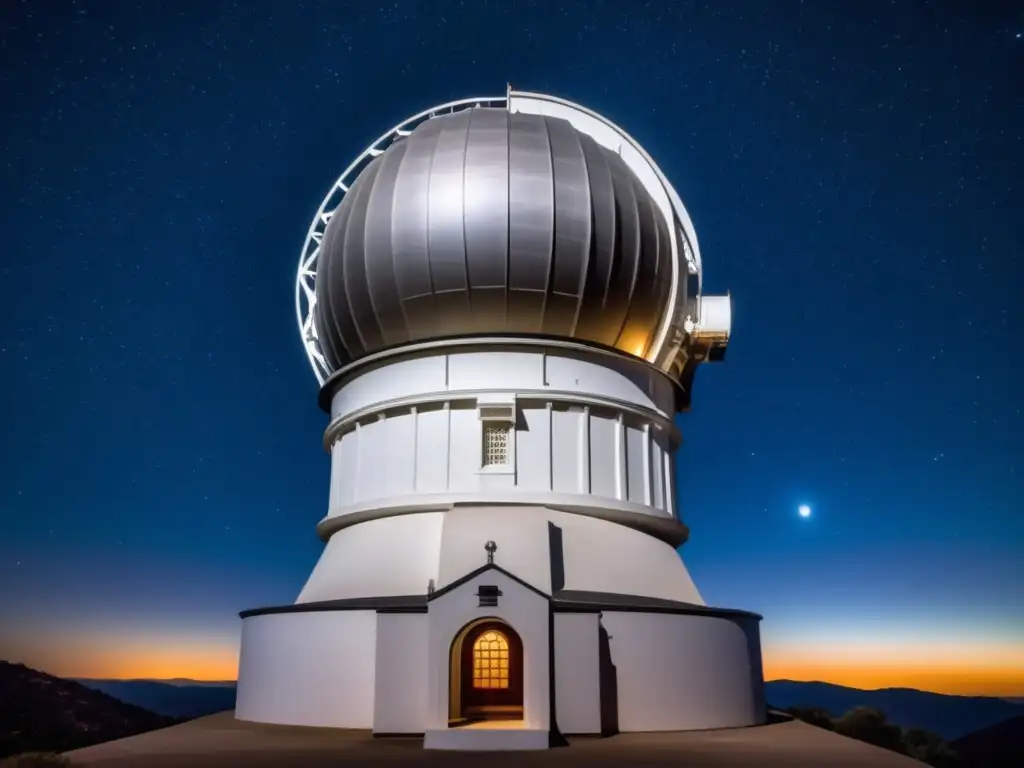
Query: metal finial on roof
[(491, 547)]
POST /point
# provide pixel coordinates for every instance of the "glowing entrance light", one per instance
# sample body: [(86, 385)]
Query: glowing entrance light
[(490, 660)]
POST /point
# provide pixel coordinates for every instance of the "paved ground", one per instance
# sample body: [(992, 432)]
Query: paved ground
[(220, 740)]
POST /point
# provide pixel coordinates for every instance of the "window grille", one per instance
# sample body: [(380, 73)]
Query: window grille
[(490, 661), (496, 443)]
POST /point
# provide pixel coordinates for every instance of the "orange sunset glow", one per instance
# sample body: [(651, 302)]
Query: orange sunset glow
[(103, 657), (989, 669), (156, 664), (1002, 679), (977, 670)]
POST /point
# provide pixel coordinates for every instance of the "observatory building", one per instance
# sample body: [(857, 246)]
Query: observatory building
[(501, 299)]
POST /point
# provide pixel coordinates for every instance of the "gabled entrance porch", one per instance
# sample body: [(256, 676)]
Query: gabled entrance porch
[(490, 641)]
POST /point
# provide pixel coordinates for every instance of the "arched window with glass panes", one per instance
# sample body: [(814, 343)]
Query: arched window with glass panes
[(490, 660)]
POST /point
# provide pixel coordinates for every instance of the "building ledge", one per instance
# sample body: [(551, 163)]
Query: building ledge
[(640, 517), (563, 601), (580, 601), (486, 736), (386, 604)]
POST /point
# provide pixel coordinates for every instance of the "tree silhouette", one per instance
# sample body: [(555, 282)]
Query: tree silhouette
[(813, 716), (869, 725), (929, 748)]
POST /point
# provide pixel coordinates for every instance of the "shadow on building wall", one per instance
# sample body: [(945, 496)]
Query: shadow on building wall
[(608, 680), (609, 685)]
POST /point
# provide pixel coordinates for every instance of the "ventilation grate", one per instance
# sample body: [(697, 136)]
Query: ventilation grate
[(496, 443)]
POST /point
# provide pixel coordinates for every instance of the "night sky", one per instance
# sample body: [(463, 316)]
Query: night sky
[(855, 173)]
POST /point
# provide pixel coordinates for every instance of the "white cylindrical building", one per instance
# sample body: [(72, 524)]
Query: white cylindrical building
[(501, 299)]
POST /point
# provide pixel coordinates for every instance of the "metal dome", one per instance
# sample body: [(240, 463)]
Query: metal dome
[(486, 221)]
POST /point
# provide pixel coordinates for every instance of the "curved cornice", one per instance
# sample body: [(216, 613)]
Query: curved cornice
[(563, 601), (635, 516), (490, 343)]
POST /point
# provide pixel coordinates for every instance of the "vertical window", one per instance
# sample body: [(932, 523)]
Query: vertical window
[(497, 415), (490, 660), (496, 443)]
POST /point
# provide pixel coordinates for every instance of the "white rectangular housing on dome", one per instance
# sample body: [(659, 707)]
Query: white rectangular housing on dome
[(714, 324)]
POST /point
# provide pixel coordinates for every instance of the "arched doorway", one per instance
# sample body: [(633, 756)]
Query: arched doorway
[(487, 673)]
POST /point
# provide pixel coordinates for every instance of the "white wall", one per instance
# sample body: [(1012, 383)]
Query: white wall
[(601, 556), (534, 447), (594, 430), (577, 678), (378, 558), (312, 668), (399, 555), (521, 534), (533, 368), (685, 672), (598, 555), (525, 611), (400, 702)]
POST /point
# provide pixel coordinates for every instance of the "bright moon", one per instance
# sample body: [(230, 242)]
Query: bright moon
[(804, 510)]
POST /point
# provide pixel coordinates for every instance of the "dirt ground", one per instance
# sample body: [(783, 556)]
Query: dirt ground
[(220, 740)]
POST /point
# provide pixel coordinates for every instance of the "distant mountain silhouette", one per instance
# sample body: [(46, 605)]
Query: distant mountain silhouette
[(187, 681), (997, 746), (174, 698), (39, 712), (948, 716)]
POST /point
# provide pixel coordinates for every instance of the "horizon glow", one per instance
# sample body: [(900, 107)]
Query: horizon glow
[(999, 677), (969, 667)]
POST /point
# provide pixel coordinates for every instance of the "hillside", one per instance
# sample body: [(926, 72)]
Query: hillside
[(174, 698), (948, 716), (42, 712), (998, 746)]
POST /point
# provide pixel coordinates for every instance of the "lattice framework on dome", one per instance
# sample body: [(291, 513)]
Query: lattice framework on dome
[(305, 284)]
